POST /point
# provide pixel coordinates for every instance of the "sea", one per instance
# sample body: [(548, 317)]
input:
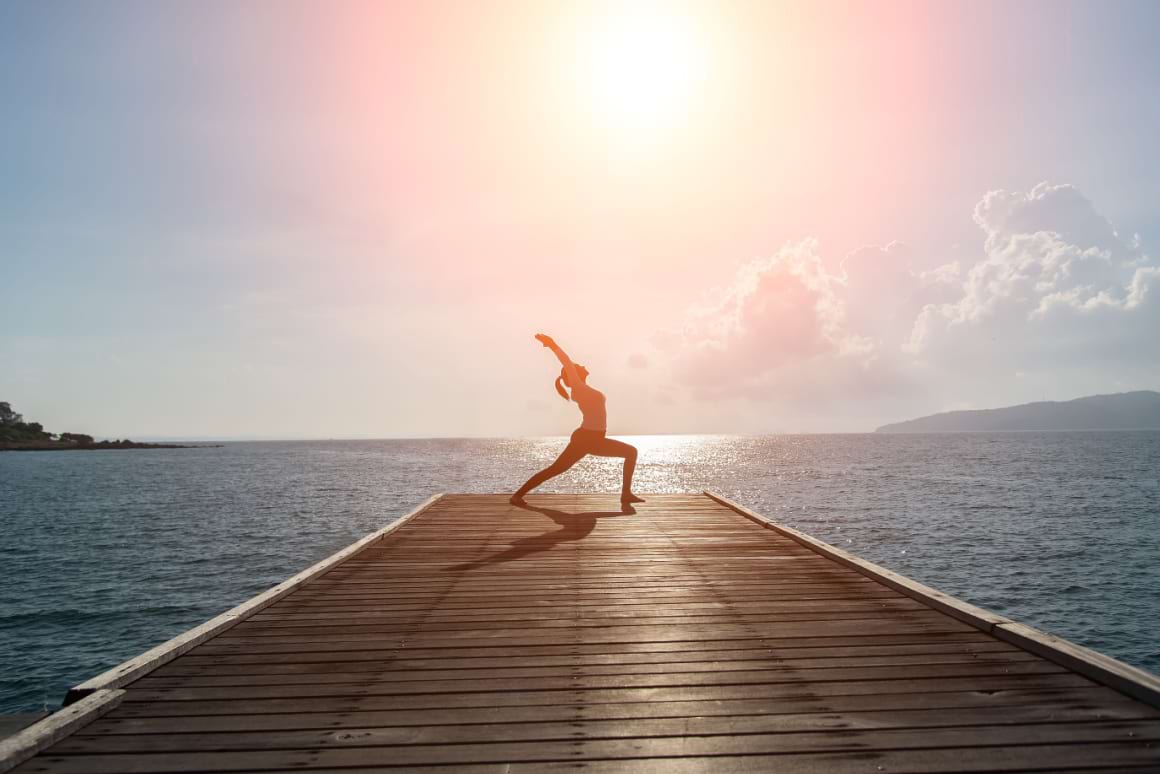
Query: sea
[(104, 554)]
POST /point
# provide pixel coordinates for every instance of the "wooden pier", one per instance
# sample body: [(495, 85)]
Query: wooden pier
[(689, 636)]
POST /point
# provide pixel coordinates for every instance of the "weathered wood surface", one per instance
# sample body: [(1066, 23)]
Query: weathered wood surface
[(480, 637)]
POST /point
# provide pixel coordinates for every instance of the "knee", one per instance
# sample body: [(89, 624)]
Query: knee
[(631, 454)]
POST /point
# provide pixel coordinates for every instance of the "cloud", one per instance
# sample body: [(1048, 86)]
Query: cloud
[(781, 316), (1056, 283), (1054, 287), (638, 360), (1058, 209)]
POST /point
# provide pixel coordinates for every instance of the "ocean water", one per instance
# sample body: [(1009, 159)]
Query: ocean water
[(105, 554)]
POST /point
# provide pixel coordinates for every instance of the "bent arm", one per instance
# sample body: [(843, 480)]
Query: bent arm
[(562, 356)]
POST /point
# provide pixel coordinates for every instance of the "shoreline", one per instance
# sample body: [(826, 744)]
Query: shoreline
[(98, 446)]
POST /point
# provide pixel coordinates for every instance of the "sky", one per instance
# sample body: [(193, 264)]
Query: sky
[(286, 219)]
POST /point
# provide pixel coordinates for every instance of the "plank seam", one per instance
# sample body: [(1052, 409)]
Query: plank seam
[(1101, 668)]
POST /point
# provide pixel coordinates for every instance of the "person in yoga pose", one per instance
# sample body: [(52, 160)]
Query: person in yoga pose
[(589, 437)]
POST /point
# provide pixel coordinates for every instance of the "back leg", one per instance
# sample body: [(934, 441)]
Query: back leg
[(569, 457)]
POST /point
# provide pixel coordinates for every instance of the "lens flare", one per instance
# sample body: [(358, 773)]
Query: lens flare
[(639, 66)]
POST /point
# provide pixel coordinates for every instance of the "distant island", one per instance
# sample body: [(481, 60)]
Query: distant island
[(1123, 411), (18, 435)]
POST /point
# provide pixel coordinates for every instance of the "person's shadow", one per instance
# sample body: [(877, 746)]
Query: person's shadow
[(573, 526)]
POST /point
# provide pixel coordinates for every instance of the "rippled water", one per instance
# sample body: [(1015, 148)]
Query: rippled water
[(105, 554)]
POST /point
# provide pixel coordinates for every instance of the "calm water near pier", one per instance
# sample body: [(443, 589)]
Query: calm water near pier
[(105, 554)]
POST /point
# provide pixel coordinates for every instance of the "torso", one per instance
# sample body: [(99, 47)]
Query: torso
[(591, 403)]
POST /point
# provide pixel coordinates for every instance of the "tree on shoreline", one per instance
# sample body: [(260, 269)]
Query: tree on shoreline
[(14, 428), (18, 435), (8, 416)]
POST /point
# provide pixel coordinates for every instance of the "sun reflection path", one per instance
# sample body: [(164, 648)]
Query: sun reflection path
[(667, 464)]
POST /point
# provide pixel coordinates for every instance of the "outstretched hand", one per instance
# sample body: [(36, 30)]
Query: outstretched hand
[(545, 339)]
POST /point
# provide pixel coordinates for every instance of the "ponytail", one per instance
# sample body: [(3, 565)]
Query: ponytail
[(560, 387)]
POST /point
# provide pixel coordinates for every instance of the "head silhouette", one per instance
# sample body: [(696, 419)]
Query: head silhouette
[(562, 380)]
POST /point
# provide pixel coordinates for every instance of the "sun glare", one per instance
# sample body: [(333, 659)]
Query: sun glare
[(640, 66)]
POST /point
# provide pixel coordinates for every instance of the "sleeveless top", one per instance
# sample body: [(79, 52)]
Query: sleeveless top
[(591, 403)]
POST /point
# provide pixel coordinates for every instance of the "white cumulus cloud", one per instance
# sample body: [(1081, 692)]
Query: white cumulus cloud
[(1056, 283)]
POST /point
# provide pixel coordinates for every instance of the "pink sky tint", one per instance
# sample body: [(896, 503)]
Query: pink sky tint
[(460, 135)]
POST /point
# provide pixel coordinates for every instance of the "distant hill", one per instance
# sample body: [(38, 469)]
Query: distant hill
[(1122, 411)]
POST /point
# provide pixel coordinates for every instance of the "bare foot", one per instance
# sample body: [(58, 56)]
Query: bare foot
[(517, 499), (631, 498)]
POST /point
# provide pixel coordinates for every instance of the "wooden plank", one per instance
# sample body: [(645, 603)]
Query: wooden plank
[(563, 610), (797, 732), (349, 734), (588, 696), (1109, 758), (435, 625), (1103, 702), (920, 622), (469, 658), (724, 670), (608, 663), (214, 649), (1088, 743)]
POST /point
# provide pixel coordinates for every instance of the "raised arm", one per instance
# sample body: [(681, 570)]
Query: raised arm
[(569, 366)]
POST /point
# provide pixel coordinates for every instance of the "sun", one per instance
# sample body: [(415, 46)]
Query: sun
[(639, 66)]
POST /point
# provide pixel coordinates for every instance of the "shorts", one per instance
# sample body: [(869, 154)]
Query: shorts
[(583, 437)]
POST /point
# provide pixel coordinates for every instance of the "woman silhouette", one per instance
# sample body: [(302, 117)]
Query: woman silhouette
[(589, 437)]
